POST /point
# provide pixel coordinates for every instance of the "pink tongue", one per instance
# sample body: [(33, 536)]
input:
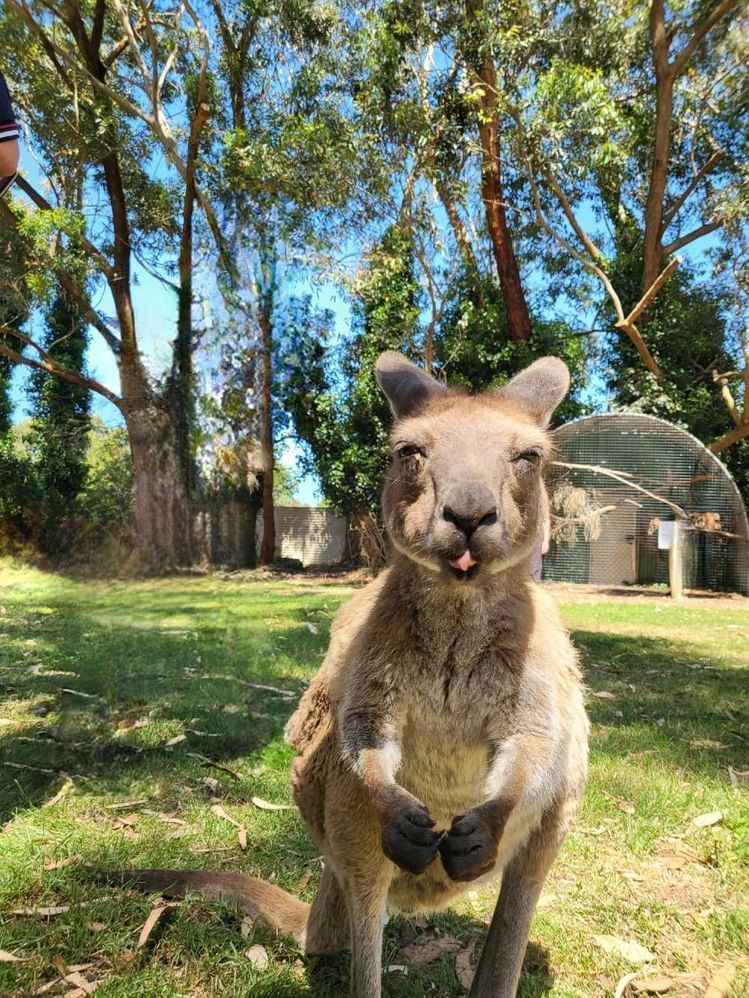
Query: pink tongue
[(465, 562)]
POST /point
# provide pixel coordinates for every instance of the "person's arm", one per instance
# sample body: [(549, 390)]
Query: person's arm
[(8, 133)]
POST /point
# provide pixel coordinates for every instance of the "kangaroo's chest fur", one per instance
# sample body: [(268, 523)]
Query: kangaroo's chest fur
[(452, 680)]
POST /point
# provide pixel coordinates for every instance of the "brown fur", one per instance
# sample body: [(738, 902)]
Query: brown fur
[(446, 727)]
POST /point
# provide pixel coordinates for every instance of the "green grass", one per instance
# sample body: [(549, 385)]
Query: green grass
[(149, 661)]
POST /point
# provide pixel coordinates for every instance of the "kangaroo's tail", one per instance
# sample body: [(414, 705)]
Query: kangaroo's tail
[(271, 905)]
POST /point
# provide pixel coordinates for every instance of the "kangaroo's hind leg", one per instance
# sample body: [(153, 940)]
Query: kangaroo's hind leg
[(328, 929), (498, 971)]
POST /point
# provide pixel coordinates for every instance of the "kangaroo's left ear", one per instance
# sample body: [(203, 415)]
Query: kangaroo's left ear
[(539, 388), (407, 388)]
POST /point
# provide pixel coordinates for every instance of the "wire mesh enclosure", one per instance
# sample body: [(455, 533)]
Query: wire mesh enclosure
[(640, 470)]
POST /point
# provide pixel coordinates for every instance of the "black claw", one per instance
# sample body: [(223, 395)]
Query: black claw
[(469, 849), (408, 839), (463, 824)]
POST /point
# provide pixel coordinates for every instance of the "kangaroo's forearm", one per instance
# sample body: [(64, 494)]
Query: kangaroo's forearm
[(522, 773)]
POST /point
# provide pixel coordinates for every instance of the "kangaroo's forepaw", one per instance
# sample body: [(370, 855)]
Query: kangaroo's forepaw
[(469, 849), (408, 837)]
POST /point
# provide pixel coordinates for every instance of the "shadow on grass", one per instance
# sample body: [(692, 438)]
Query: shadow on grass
[(659, 698), (112, 674), (328, 976)]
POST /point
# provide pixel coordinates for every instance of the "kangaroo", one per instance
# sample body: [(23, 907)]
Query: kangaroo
[(444, 739)]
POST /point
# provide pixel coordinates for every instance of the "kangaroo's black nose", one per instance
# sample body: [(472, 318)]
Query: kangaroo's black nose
[(468, 520)]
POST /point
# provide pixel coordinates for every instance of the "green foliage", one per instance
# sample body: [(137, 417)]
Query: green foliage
[(474, 350), (106, 497), (59, 436), (18, 490), (13, 311), (345, 424), (285, 485)]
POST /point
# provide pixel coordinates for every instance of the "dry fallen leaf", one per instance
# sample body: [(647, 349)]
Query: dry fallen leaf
[(624, 805), (396, 968), (221, 813), (737, 776), (96, 926), (48, 912), (623, 987), (426, 949), (59, 864), (604, 695), (303, 881), (175, 741), (6, 957), (634, 877), (242, 837), (720, 983), (81, 984), (312, 628), (626, 948), (707, 743), (464, 968), (150, 922), (247, 926), (67, 785), (258, 956), (126, 821), (126, 805), (654, 985), (704, 820), (267, 806)]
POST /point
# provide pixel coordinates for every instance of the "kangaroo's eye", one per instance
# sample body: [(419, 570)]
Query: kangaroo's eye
[(531, 456), (407, 451)]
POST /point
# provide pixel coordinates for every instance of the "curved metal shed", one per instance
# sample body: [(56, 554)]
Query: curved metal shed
[(678, 472)]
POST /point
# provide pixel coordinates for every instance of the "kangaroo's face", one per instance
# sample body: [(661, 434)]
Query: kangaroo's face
[(465, 494)]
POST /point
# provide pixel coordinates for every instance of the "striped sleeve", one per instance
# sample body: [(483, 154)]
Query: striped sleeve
[(8, 126)]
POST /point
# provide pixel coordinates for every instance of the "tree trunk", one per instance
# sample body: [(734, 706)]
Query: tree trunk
[(516, 308), (162, 507), (461, 238), (652, 246), (268, 543), (366, 540)]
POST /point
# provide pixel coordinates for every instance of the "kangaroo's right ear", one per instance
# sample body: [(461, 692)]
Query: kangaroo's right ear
[(407, 388)]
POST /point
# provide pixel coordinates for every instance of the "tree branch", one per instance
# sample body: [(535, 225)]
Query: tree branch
[(46, 363), (728, 398), (653, 290), (690, 237), (41, 202), (582, 235), (69, 283), (682, 198), (623, 480), (682, 59), (731, 437)]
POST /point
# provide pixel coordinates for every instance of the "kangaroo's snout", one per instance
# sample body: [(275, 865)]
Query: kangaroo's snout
[(470, 507)]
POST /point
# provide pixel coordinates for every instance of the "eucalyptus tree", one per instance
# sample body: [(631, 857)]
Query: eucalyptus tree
[(115, 92), (626, 123), (429, 92), (293, 176)]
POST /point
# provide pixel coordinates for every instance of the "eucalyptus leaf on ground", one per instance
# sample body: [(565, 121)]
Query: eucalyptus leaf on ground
[(629, 949)]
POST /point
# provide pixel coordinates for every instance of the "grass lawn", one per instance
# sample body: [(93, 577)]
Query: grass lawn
[(122, 702)]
